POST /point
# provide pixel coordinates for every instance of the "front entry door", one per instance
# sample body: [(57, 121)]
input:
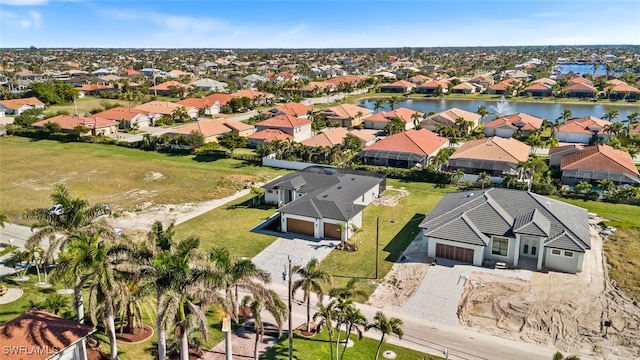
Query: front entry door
[(529, 247)]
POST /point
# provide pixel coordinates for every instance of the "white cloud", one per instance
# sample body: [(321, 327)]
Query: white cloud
[(24, 2), (36, 18)]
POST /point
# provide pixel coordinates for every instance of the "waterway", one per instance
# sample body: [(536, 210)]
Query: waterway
[(581, 69), (544, 110)]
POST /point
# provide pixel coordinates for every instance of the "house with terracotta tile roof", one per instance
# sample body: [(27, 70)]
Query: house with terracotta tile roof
[(379, 120), (465, 88), (223, 99), (204, 105), (448, 118), (330, 137), (292, 109), (400, 86), (618, 89), (484, 81), (266, 136), (240, 128), (96, 89), (431, 87), (127, 117), (538, 90), (38, 335), (555, 153), (346, 115), (169, 88), (505, 87), (494, 155), (365, 138), (580, 90), (544, 80), (211, 129), (18, 106), (166, 108), (419, 79), (594, 163), (298, 128), (95, 125), (580, 130), (404, 150), (257, 96), (506, 126)]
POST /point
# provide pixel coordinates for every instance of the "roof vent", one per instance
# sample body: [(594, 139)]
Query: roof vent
[(339, 187), (325, 196), (548, 203), (470, 195)]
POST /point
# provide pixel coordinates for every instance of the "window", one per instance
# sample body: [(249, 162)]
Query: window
[(568, 253), (270, 191), (555, 252), (500, 246)]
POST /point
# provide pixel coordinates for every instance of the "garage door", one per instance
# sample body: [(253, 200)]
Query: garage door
[(332, 231), (454, 253), (300, 226)]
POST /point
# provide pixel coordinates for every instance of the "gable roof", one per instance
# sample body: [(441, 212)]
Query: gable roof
[(493, 149), (268, 135), (206, 127), (401, 83), (449, 116), (433, 84), (420, 142), (328, 138), (251, 94), (120, 113), (584, 125), (198, 103), (526, 121), (565, 226), (294, 109), (362, 135), (161, 107), (40, 330), (329, 192), (165, 86), (238, 125), (346, 111), (283, 122), (599, 158), (69, 122), (222, 98), (580, 87), (17, 103)]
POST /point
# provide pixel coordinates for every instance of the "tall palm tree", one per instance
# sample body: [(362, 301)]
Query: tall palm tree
[(312, 280), (235, 274), (354, 321), (416, 117), (458, 175), (611, 114), (349, 291), (565, 115), (326, 314), (270, 303), (483, 178), (386, 326), (482, 111), (377, 104), (393, 101), (75, 214)]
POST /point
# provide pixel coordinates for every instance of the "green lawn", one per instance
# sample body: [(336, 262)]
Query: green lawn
[(120, 176), (617, 215), (317, 348), (87, 104)]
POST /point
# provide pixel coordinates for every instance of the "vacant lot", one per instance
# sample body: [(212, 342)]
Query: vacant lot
[(120, 176), (87, 104)]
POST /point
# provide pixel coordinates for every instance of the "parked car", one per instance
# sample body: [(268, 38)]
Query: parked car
[(56, 210)]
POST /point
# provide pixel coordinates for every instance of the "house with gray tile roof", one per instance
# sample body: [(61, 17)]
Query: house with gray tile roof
[(323, 202), (510, 226)]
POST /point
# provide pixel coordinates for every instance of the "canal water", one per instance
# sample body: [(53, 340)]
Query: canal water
[(544, 110)]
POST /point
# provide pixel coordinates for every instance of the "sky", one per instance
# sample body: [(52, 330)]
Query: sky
[(316, 24)]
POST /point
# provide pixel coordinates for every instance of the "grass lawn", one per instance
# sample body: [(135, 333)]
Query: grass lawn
[(120, 176), (317, 348), (398, 227), (87, 104)]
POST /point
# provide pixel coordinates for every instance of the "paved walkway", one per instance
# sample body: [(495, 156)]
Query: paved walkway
[(439, 293)]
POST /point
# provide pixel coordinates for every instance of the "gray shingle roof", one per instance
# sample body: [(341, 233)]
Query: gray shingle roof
[(505, 212), (329, 193)]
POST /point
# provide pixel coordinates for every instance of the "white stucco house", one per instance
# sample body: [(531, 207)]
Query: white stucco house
[(323, 202), (517, 228)]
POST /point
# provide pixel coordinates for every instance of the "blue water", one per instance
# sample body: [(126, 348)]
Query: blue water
[(581, 69), (550, 111)]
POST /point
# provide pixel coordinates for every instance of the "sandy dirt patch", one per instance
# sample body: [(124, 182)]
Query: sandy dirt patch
[(564, 310), (390, 196)]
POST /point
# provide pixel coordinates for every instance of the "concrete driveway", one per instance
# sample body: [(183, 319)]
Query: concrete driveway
[(274, 261), (439, 293)]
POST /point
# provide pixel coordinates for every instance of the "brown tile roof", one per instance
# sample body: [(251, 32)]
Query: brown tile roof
[(94, 87), (528, 122), (600, 158), (17, 103), (419, 142), (580, 87), (362, 135), (347, 111), (251, 94), (578, 80), (328, 138), (120, 113), (449, 116), (538, 87), (39, 330), (160, 107), (623, 87), (198, 103), (238, 126), (222, 98), (583, 125), (493, 149), (268, 135), (69, 122), (294, 109), (434, 84), (284, 122), (207, 128), (402, 83), (562, 148), (463, 86), (165, 86)]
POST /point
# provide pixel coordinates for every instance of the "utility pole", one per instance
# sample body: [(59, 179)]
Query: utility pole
[(377, 242), (290, 308)]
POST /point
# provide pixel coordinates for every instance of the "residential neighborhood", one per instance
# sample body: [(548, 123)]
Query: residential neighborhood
[(176, 203)]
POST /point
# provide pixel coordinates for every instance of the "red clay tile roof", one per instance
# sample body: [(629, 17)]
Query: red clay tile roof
[(378, 117), (362, 135), (403, 113), (294, 109), (94, 87), (449, 116), (538, 87), (401, 83), (268, 135), (165, 86), (120, 113), (328, 138), (578, 80), (17, 103), (544, 81), (580, 88), (494, 149), (562, 148), (222, 98), (161, 107), (198, 103), (284, 122), (251, 94), (600, 158), (347, 111), (433, 84), (419, 142), (583, 125), (239, 126), (530, 122), (40, 333), (623, 87), (69, 122), (207, 128), (463, 86)]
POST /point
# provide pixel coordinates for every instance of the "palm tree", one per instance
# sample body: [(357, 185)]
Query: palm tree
[(349, 291), (611, 114), (3, 218), (392, 101), (377, 104), (236, 274), (327, 314), (75, 215), (416, 117), (273, 305), (386, 327), (482, 111), (354, 320), (606, 185), (535, 141), (55, 303), (483, 178), (582, 187), (565, 115), (458, 175), (551, 142), (311, 280)]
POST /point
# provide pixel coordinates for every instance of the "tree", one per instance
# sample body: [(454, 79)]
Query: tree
[(258, 193), (327, 314), (311, 281), (393, 101), (180, 114), (55, 303), (583, 187), (378, 104), (81, 130), (3, 218), (270, 303), (231, 141), (611, 114), (416, 117), (351, 142), (51, 127), (607, 186), (457, 176), (558, 356), (354, 321), (565, 115), (394, 126), (386, 326), (535, 141), (235, 274), (483, 179), (482, 111), (349, 291)]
